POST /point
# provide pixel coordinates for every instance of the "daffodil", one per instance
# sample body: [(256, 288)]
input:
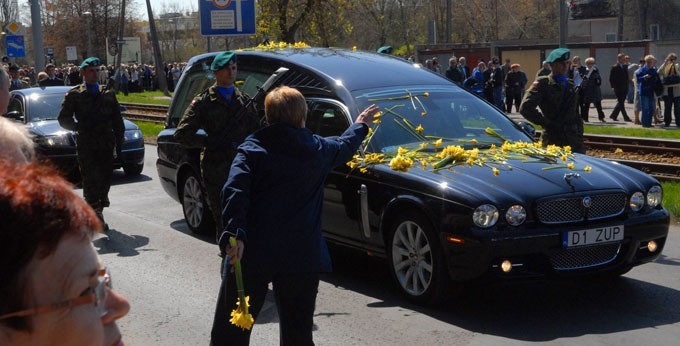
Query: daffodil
[(587, 169), (354, 48), (618, 151), (570, 165), (420, 129), (401, 163), (437, 143), (240, 316), (495, 170)]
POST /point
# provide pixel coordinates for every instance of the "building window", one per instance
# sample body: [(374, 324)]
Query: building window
[(654, 33), (610, 37)]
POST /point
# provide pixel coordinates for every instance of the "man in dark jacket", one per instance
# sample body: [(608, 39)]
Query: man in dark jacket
[(52, 79), (618, 79), (272, 205), (555, 95), (454, 73), (94, 113)]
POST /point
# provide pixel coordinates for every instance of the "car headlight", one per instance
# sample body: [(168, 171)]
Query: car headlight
[(131, 135), (58, 140), (485, 215), (654, 196), (516, 215), (637, 201)]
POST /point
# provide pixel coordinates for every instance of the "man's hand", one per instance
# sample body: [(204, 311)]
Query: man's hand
[(366, 117)]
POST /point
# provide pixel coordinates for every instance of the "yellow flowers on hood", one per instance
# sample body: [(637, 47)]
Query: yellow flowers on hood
[(401, 163)]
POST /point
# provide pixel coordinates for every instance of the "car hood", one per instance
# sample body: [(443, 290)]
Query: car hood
[(525, 181), (52, 127)]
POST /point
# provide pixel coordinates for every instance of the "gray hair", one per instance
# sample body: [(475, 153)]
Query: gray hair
[(15, 142)]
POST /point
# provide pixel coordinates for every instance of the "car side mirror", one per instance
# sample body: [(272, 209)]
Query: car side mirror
[(16, 115), (527, 128)]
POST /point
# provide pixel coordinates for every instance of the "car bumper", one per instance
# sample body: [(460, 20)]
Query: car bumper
[(540, 253)]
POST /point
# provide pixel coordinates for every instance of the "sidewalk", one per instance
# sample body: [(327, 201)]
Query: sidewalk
[(607, 108)]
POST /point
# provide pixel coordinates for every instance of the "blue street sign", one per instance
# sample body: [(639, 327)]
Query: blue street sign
[(227, 17), (15, 46)]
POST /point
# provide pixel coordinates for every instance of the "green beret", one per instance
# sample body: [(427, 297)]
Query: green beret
[(222, 60), (385, 49), (90, 62), (559, 54)]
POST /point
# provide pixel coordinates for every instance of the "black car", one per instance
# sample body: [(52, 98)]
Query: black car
[(438, 227), (38, 109)]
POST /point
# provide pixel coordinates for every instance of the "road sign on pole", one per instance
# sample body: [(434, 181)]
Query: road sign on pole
[(15, 46), (227, 17)]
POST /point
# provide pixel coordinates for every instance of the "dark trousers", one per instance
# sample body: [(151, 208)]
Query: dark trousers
[(295, 296), (585, 108), (512, 96), (95, 160), (620, 107), (671, 101)]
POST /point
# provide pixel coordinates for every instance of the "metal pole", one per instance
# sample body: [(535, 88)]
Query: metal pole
[(563, 24), (158, 59), (36, 28), (119, 54)]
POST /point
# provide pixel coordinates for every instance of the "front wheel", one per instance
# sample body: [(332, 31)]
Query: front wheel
[(195, 208), (133, 169), (416, 260)]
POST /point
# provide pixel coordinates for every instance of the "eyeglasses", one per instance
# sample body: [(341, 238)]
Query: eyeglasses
[(98, 297)]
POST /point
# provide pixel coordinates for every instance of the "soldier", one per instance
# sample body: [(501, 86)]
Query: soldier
[(16, 83), (555, 95), (220, 111), (94, 113)]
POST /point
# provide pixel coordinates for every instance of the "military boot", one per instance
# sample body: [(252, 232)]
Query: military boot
[(100, 215)]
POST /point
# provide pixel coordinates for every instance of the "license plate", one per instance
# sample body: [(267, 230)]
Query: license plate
[(592, 236)]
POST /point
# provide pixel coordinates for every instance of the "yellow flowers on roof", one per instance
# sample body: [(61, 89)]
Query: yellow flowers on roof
[(282, 45)]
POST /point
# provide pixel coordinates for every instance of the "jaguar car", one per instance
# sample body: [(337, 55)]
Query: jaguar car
[(38, 109), (438, 229)]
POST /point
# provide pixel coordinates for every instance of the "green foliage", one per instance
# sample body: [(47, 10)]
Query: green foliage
[(671, 197), (405, 50), (632, 132), (147, 97), (149, 130)]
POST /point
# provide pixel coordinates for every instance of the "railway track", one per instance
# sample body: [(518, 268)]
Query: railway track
[(661, 171)]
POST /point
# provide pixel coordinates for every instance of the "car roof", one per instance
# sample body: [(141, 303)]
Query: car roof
[(43, 90), (356, 70)]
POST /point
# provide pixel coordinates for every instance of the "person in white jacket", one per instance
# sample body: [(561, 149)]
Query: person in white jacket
[(669, 73)]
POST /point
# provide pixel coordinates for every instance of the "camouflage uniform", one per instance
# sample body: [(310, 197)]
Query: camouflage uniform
[(99, 129), (560, 120), (210, 111)]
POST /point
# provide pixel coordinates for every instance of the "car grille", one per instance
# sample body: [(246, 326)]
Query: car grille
[(584, 257), (572, 209)]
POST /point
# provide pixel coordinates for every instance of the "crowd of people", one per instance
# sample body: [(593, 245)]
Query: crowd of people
[(132, 77)]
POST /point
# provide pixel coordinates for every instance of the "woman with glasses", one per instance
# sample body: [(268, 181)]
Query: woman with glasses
[(53, 288)]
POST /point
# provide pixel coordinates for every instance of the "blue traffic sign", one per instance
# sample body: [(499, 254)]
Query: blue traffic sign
[(16, 47), (227, 17)]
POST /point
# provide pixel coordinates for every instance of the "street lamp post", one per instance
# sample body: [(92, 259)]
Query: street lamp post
[(89, 32)]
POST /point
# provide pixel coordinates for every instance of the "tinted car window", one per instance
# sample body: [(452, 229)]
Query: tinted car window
[(16, 104), (442, 112), (326, 118)]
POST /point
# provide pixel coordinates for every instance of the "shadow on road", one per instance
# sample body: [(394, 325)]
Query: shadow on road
[(181, 225), (118, 178), (528, 311), (122, 244)]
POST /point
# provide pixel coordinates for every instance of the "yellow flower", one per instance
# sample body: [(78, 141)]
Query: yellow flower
[(401, 163), (423, 145), (377, 115), (495, 170), (240, 316), (587, 169), (567, 148), (455, 151), (376, 121), (363, 169), (370, 132), (422, 114), (564, 158), (426, 94), (402, 151), (354, 48), (423, 162), (351, 164), (420, 129), (438, 143), (570, 165), (618, 151)]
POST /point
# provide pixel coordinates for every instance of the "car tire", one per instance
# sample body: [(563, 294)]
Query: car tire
[(416, 259), (133, 169), (195, 207)]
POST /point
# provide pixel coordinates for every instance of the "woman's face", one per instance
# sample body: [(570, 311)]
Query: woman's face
[(70, 272)]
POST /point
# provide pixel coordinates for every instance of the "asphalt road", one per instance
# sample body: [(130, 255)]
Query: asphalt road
[(171, 277)]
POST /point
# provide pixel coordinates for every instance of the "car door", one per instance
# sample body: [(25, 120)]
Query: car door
[(341, 214)]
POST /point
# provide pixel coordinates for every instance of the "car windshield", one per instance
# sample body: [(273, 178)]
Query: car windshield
[(412, 116), (44, 106)]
